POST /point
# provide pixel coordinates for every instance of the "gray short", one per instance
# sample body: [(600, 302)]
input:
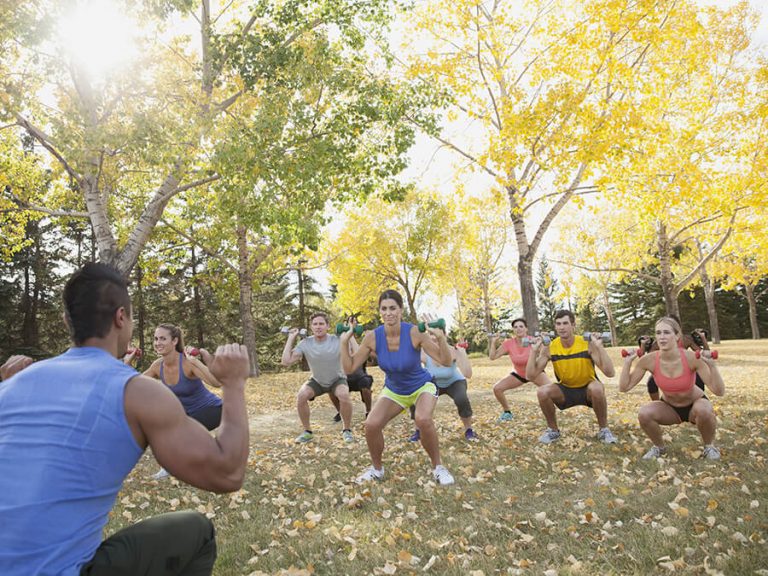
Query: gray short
[(319, 390)]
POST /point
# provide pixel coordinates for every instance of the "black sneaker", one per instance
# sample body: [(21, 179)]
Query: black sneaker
[(337, 418)]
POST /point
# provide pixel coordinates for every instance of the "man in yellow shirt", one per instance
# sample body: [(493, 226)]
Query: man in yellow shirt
[(574, 360)]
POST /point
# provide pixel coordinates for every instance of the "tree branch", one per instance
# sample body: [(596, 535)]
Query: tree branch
[(46, 143)]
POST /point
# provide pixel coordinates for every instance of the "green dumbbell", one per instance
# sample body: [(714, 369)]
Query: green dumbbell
[(341, 328), (439, 323)]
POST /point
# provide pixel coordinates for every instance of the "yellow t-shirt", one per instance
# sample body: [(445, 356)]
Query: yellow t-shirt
[(573, 366)]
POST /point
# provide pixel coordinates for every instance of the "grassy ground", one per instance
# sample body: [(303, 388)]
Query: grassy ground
[(575, 507)]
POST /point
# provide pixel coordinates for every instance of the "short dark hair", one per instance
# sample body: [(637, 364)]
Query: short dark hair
[(563, 313), (322, 315), (175, 332), (516, 320), (391, 295), (91, 297)]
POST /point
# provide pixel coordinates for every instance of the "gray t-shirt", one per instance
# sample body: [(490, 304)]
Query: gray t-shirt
[(323, 357)]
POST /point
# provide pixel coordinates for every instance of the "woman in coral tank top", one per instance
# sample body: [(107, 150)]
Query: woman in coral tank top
[(674, 369)]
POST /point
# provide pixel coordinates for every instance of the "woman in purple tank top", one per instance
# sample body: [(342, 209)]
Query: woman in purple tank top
[(398, 347), (186, 377)]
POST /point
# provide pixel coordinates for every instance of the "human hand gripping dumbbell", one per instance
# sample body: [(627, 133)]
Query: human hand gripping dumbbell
[(712, 354), (357, 330), (462, 344), (604, 337), (439, 323), (635, 352), (287, 330)]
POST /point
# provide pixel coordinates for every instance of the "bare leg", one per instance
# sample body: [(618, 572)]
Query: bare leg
[(547, 395), (596, 395), (509, 382), (652, 416), (703, 416), (425, 406), (367, 397), (382, 412), (302, 404), (342, 394)]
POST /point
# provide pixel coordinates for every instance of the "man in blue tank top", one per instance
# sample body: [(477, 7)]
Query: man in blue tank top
[(75, 425)]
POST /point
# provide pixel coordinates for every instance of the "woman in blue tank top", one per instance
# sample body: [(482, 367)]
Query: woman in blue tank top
[(185, 376), (398, 347)]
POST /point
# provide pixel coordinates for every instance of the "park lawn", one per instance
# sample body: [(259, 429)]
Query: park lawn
[(575, 507)]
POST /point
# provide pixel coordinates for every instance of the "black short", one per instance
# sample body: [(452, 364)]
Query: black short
[(357, 382), (521, 378), (573, 397), (683, 411)]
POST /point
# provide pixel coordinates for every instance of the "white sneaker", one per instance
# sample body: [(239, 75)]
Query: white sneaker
[(710, 452), (160, 474), (549, 436), (370, 474), (655, 452), (606, 436), (442, 476), (347, 435)]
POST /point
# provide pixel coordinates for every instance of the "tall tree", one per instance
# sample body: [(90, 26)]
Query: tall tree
[(545, 90), (547, 288), (133, 140), (406, 245)]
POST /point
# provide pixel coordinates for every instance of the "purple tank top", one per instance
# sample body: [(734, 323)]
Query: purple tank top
[(191, 392), (403, 369)]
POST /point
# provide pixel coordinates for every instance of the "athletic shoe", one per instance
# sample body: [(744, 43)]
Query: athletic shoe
[(606, 436), (506, 416), (304, 437), (655, 452), (470, 435), (369, 475), (415, 437), (160, 474), (442, 476), (710, 452), (549, 436), (347, 435), (337, 418)]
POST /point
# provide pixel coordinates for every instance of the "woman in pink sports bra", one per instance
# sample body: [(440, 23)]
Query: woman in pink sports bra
[(674, 370), (518, 350)]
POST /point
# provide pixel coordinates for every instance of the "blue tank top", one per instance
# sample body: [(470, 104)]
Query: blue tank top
[(191, 392), (65, 448), (444, 375), (404, 373)]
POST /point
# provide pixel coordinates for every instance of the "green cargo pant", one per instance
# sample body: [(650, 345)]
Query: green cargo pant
[(173, 544)]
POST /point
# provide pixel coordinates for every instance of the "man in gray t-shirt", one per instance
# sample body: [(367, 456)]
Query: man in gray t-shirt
[(324, 358)]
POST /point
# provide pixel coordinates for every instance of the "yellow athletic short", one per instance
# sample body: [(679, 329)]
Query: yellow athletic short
[(406, 401)]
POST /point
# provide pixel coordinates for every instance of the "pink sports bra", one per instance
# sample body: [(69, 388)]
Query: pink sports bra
[(682, 383)]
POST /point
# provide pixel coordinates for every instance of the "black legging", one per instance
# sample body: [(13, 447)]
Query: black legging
[(458, 392), (210, 416)]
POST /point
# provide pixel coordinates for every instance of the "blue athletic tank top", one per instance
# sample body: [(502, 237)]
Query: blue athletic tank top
[(192, 392), (444, 375), (404, 373), (65, 448)]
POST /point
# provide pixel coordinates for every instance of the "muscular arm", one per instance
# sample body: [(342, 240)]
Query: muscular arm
[(463, 363), (707, 369), (351, 362), (601, 359), (290, 356), (537, 361), (496, 351), (629, 379), (200, 370), (439, 351), (154, 369), (183, 446)]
